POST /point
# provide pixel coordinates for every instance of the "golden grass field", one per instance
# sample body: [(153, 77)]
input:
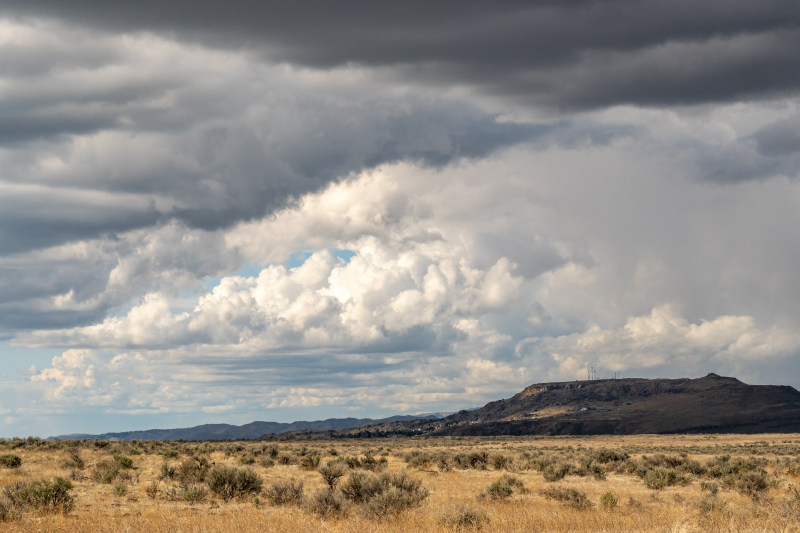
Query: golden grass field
[(710, 483)]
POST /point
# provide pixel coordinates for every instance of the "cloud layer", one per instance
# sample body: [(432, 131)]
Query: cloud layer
[(272, 212), (575, 54)]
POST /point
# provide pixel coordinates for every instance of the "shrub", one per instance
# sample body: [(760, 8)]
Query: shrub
[(194, 494), (504, 487), (10, 460), (418, 459), (466, 519), (399, 492), (659, 477), (46, 496), (723, 466), (391, 500), (554, 472), (331, 473), (444, 462), (384, 494), (328, 502), (693, 467), (370, 463), (608, 501), (361, 487), (710, 504), (191, 470), (106, 471), (659, 459), (589, 468), (350, 461), (476, 460), (229, 482), (5, 512), (752, 483), (272, 451), (501, 462), (712, 488), (119, 489), (569, 496), (310, 461), (286, 459), (604, 455), (75, 460), (167, 471), (152, 490), (170, 453), (122, 461), (285, 492), (540, 461)]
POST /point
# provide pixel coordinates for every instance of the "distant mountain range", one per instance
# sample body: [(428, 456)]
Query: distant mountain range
[(253, 430), (711, 404)]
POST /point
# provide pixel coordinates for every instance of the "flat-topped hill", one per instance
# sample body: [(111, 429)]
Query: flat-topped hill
[(711, 404)]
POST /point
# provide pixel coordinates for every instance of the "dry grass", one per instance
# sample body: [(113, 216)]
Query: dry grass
[(725, 497)]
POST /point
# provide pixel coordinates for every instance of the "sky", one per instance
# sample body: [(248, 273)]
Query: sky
[(237, 211)]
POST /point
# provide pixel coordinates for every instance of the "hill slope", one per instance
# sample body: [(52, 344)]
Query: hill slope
[(712, 404)]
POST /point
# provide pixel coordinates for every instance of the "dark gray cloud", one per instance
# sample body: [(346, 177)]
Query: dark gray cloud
[(780, 138), (102, 134), (111, 148), (772, 150), (211, 146), (37, 218), (561, 54)]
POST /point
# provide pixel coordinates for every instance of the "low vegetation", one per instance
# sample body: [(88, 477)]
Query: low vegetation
[(230, 482), (10, 460), (44, 496), (633, 483), (504, 488)]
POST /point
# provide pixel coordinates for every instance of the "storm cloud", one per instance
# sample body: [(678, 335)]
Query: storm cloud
[(560, 54)]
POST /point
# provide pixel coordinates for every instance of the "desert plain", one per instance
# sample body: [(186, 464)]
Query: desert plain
[(515, 484)]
